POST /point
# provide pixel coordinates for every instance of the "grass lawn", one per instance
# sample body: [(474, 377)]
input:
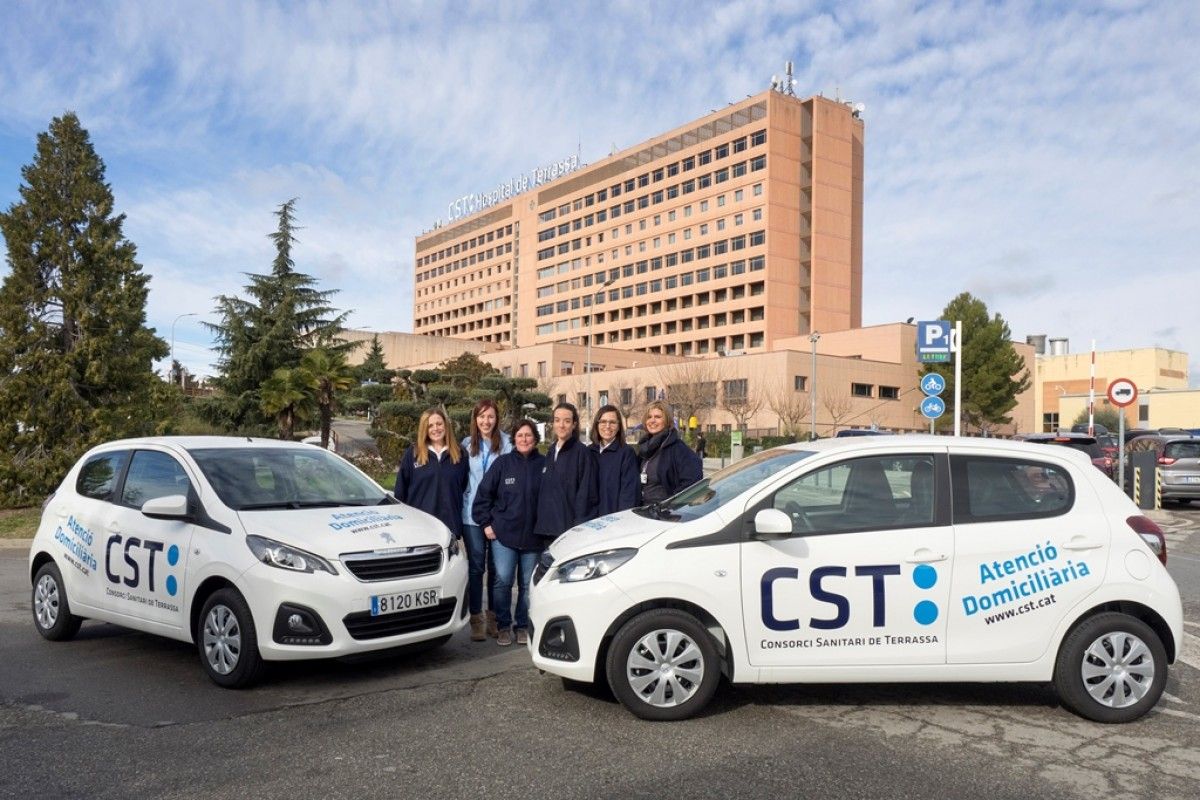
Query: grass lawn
[(19, 523)]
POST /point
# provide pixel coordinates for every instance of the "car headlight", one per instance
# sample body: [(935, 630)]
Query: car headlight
[(278, 554), (454, 548), (596, 565)]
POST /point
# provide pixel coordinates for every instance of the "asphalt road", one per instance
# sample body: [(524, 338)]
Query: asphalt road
[(122, 714)]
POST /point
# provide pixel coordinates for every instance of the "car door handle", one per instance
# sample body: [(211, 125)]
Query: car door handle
[(925, 557), (1080, 543)]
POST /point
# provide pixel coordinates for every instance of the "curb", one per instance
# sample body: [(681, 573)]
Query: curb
[(15, 544)]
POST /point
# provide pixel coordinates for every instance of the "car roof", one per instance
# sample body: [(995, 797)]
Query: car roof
[(201, 442), (959, 444)]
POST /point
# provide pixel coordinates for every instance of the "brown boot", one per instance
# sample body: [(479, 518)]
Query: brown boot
[(492, 630), (477, 628)]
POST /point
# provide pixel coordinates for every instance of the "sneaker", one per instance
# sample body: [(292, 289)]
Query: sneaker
[(522, 636), (504, 637)]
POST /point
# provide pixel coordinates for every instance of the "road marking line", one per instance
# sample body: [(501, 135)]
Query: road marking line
[(1173, 699), (1189, 624), (1175, 713)]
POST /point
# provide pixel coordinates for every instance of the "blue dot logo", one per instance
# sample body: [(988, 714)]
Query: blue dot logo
[(173, 556), (926, 612), (172, 585), (924, 576)]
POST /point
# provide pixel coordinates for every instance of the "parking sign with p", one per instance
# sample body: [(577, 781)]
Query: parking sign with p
[(933, 342)]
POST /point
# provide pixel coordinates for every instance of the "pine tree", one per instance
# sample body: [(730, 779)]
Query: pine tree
[(282, 316), (993, 374), (374, 367), (75, 353)]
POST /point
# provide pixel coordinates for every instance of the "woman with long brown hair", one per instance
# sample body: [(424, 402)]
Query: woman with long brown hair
[(485, 444)]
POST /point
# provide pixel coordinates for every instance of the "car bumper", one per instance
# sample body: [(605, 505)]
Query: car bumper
[(587, 609), (343, 605), (1180, 491)]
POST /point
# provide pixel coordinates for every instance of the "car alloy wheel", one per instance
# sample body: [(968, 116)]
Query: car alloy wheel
[(51, 606), (227, 641), (665, 668), (222, 639), (1111, 668), (1118, 669), (663, 665), (46, 602)]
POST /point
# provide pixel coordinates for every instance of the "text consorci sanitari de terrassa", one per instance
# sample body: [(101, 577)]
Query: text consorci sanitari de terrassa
[(470, 203)]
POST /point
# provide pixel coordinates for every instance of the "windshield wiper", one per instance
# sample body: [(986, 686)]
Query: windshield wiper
[(294, 505)]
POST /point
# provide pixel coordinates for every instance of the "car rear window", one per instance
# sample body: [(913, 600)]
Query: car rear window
[(1182, 449), (990, 489)]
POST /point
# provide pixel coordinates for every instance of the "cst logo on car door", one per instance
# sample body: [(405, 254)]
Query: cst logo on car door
[(143, 558), (866, 580)]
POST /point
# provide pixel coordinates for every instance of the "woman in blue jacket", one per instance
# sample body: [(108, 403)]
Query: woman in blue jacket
[(433, 473), (668, 464), (568, 493), (617, 463), (504, 507), (485, 444)]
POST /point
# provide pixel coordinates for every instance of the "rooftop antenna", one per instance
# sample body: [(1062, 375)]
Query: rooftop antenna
[(786, 84)]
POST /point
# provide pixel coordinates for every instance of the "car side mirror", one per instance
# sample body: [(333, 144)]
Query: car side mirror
[(771, 524), (172, 506)]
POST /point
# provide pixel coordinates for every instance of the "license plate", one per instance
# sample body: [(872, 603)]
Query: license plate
[(1191, 478), (403, 601)]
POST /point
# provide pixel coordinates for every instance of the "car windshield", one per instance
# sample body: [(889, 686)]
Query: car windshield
[(249, 478), (715, 491)]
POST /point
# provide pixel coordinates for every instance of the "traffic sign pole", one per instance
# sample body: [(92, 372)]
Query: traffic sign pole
[(1122, 392), (956, 346)]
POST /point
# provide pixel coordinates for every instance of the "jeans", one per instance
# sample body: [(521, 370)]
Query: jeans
[(479, 561), (511, 563)]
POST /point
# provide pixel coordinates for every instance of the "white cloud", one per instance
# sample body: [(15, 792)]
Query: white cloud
[(1045, 158)]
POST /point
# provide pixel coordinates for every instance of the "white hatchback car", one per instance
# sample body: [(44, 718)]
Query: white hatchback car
[(872, 559), (253, 549)]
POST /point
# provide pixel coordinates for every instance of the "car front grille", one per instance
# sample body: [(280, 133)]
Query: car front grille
[(361, 625), (387, 565)]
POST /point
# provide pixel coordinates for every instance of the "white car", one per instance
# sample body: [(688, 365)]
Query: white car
[(253, 549), (871, 559)]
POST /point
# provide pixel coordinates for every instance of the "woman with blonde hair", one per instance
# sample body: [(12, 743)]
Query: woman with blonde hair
[(668, 465), (433, 472)]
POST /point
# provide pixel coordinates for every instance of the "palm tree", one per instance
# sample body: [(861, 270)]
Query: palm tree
[(328, 375), (288, 396)]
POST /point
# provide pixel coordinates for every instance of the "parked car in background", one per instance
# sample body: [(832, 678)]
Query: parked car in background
[(1133, 433), (860, 432), (1097, 429), (1178, 459), (1078, 441)]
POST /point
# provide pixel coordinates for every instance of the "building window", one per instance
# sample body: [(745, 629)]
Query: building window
[(626, 397), (800, 383), (566, 368), (651, 394), (861, 390), (736, 390), (541, 369), (889, 392)]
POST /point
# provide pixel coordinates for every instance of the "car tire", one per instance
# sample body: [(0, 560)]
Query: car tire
[(51, 608), (1112, 668), (662, 665), (227, 641)]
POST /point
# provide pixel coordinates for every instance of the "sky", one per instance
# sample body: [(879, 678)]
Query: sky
[(1044, 157)]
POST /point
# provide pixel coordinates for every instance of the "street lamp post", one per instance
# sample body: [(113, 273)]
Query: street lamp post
[(812, 385), (181, 316), (587, 358)]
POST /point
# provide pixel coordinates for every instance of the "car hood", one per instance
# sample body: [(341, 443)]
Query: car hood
[(623, 529), (329, 532)]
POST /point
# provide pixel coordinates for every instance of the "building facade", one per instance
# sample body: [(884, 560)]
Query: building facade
[(724, 235)]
